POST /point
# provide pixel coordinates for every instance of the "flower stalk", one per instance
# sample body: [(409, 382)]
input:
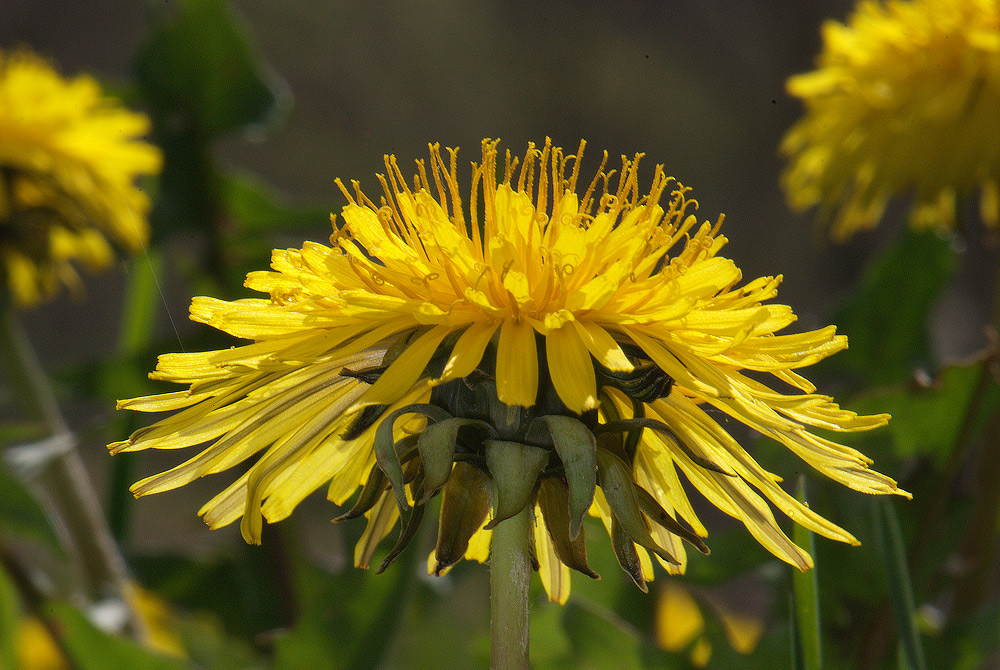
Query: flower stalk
[(510, 577), (53, 470)]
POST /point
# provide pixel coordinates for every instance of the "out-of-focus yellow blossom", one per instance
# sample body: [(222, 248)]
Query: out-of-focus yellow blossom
[(69, 159), (905, 100), (680, 622)]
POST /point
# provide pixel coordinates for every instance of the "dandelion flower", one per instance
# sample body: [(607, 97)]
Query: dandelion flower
[(69, 158), (905, 99), (547, 347)]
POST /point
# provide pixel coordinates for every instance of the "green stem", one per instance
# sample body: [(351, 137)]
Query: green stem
[(510, 577), (27, 379), (805, 590), (53, 469), (141, 306)]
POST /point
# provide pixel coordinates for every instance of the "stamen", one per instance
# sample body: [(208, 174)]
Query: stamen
[(527, 176), (477, 242), (451, 177), (543, 176), (343, 189), (420, 182), (585, 201)]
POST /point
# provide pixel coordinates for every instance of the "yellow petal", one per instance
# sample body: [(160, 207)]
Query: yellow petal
[(678, 618), (571, 368), (403, 373), (553, 573), (602, 346), (517, 364), (468, 351)]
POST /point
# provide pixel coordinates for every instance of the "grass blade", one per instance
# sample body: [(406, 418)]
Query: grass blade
[(900, 592), (807, 649)]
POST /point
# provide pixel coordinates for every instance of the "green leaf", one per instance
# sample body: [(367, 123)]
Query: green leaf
[(464, 507), (900, 592), (436, 445), (514, 469), (553, 499), (21, 515), (577, 449), (886, 319), (258, 208), (201, 69), (805, 597), (930, 419), (93, 649), (384, 446), (615, 478)]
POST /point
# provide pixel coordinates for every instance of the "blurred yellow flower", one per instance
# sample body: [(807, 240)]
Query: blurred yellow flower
[(680, 625), (35, 648), (541, 348), (69, 158), (905, 99)]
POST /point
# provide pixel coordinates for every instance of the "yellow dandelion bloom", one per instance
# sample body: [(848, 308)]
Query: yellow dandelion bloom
[(905, 99), (549, 347), (69, 158)]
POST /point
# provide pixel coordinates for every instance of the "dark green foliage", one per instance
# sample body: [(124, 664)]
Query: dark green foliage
[(886, 318)]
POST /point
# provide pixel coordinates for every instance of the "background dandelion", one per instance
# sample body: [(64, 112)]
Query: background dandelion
[(904, 102)]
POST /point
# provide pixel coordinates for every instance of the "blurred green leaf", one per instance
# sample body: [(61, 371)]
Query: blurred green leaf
[(21, 515), (20, 432), (733, 552), (93, 649), (550, 648), (967, 644), (805, 597), (600, 639), (347, 619), (200, 66), (930, 419), (257, 208), (900, 592), (9, 621), (240, 590), (142, 303), (201, 78), (208, 646), (886, 318)]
